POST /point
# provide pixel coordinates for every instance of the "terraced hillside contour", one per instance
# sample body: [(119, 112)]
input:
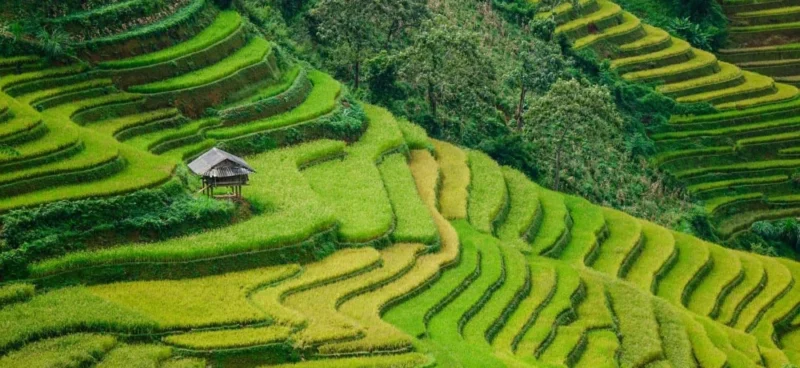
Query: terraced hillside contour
[(765, 38), (739, 161), (388, 249)]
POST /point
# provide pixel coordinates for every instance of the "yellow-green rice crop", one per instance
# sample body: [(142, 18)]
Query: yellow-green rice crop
[(426, 176), (455, 180), (224, 25), (693, 255), (589, 224), (342, 264), (659, 247), (625, 234), (413, 222), (191, 303), (779, 278), (14, 293), (714, 287), (116, 125), (554, 217), (136, 356), (353, 189), (226, 339), (637, 323), (382, 135), (15, 79), (409, 360), (250, 54), (488, 196), (415, 136), (674, 338), (69, 351), (524, 205), (754, 276), (320, 305), (184, 363), (320, 101)]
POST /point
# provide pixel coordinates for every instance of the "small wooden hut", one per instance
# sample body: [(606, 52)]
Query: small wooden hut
[(221, 169)]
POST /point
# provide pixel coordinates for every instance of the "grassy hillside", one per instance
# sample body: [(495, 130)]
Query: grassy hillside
[(373, 246)]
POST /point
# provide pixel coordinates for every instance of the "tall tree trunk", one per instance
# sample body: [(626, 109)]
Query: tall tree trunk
[(518, 115)]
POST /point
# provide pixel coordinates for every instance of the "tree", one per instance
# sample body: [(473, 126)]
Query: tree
[(450, 65), (538, 65), (356, 30), (576, 131)]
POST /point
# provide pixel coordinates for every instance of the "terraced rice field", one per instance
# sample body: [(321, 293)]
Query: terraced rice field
[(739, 160), (387, 250)]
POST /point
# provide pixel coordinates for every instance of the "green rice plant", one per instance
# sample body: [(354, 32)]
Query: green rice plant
[(780, 312), (739, 167), (607, 10), (320, 101), (184, 363), (708, 186), (415, 136), (753, 282), (15, 293), (367, 308), (677, 48), (185, 14), (764, 27), (589, 227), (753, 83), (712, 204), (408, 360), (555, 222), (658, 250), (693, 257), (413, 222), (446, 327), (653, 36), (721, 340), (353, 189), (772, 138), (731, 130), (152, 140), (298, 215), (705, 351), (12, 80), (629, 25), (524, 208), (250, 54), (674, 337), (779, 280), (727, 73), (790, 151), (637, 322), (547, 318), (201, 302), (600, 344), (591, 314), (48, 144), (66, 310), (483, 327), (270, 90), (224, 25), (14, 60), (625, 238), (68, 351), (425, 170), (455, 176), (18, 125), (227, 339), (725, 274), (774, 357), (698, 64), (413, 315), (381, 137), (136, 356), (785, 93), (543, 283), (736, 114), (320, 305), (40, 95), (116, 125), (488, 195), (340, 265)]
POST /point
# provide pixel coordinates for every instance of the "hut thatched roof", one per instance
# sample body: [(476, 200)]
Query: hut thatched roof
[(220, 164)]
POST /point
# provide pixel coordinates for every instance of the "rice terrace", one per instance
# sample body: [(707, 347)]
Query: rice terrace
[(400, 183)]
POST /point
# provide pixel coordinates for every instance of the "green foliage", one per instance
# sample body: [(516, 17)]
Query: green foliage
[(61, 227), (701, 22)]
